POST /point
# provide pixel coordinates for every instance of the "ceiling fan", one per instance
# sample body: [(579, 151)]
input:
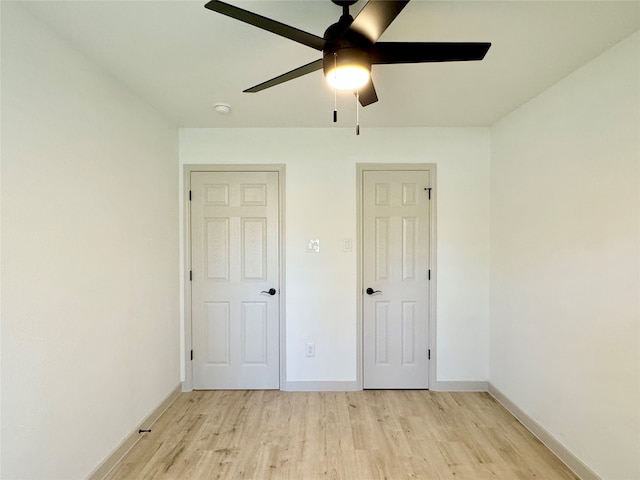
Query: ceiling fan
[(350, 47)]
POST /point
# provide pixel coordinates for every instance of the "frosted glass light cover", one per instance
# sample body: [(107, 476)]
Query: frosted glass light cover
[(348, 77)]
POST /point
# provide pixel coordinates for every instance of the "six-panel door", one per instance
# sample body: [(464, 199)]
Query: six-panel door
[(396, 272), (235, 312)]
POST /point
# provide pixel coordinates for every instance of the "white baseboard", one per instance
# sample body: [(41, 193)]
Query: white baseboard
[(347, 386), (130, 440), (320, 386), (459, 386), (566, 456)]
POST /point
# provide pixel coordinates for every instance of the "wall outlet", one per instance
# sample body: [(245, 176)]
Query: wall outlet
[(311, 350)]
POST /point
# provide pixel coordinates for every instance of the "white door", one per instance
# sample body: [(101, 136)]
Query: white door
[(395, 296), (235, 280)]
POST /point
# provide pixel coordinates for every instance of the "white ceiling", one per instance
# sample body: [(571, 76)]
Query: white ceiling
[(183, 58)]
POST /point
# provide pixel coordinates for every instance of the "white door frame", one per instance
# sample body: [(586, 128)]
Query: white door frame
[(360, 169), (188, 341)]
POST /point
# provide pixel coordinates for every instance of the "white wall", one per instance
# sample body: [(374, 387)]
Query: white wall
[(565, 320), (90, 321), (321, 203)]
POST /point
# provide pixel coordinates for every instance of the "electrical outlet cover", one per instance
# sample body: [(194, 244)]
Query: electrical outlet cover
[(311, 349), (313, 246)]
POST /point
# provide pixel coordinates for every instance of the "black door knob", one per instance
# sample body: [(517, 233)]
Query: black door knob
[(371, 291), (271, 291)]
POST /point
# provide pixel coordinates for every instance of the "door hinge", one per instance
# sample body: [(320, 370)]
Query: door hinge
[(191, 275), (428, 354), (429, 274), (192, 355), (189, 195)]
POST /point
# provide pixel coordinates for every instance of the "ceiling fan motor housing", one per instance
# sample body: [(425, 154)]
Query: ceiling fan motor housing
[(345, 47)]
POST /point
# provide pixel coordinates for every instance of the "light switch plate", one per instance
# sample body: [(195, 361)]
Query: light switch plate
[(313, 246), (347, 245)]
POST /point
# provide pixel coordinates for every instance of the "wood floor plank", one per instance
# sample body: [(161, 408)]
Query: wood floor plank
[(364, 435)]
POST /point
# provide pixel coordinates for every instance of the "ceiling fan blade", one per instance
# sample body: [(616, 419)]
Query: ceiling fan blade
[(267, 24), (367, 94), (421, 52), (285, 77), (376, 16)]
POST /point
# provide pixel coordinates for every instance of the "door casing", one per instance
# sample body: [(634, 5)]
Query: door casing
[(188, 342), (360, 169)]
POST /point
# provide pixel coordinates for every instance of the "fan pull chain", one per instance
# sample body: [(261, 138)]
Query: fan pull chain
[(357, 112), (335, 90)]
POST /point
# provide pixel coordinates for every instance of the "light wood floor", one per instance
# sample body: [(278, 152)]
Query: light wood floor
[(338, 435)]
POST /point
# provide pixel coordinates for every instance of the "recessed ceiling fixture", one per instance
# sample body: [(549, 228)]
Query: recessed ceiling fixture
[(222, 108)]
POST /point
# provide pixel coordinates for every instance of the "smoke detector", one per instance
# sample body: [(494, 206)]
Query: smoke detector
[(222, 108)]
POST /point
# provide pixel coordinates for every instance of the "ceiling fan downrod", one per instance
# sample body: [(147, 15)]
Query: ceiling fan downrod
[(345, 4)]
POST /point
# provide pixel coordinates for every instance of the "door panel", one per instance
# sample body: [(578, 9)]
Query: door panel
[(396, 267), (234, 243)]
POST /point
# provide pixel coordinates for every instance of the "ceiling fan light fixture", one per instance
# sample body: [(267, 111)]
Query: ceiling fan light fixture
[(347, 67), (348, 77)]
